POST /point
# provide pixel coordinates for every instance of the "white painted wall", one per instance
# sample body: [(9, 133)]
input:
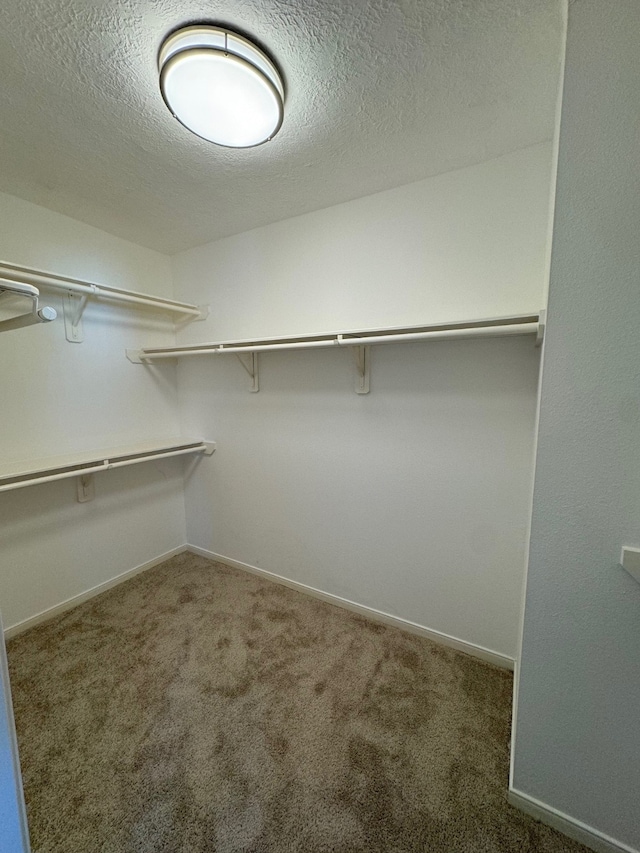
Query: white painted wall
[(469, 243), (58, 397), (412, 500), (577, 745)]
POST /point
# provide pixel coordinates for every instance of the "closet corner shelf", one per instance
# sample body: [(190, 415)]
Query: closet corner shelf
[(36, 314), (359, 342), (17, 475), (77, 292)]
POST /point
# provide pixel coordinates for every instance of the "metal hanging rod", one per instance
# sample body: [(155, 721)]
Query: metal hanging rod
[(51, 281), (520, 324), (358, 341), (83, 465), (35, 315)]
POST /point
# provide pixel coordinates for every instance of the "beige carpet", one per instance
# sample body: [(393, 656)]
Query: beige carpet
[(198, 708)]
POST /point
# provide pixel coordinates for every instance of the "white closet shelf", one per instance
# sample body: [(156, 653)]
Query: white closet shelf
[(516, 324), (17, 475), (78, 291), (36, 314), (492, 327)]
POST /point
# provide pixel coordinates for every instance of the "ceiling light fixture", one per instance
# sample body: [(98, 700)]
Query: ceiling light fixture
[(220, 86)]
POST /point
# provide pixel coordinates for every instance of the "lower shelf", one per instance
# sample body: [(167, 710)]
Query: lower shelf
[(21, 474)]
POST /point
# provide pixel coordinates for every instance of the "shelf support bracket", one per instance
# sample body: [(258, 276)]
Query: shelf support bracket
[(250, 364), (86, 488), (362, 357), (73, 308)]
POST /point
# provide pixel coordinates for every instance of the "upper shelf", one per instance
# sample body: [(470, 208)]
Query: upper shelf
[(36, 314), (515, 324), (358, 341), (77, 292)]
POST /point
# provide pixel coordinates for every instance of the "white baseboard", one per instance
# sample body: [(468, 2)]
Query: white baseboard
[(57, 609), (371, 613), (575, 829)]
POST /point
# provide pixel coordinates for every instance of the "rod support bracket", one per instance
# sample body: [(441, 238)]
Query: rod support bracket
[(73, 305), (362, 357), (250, 364), (86, 488), (209, 447)]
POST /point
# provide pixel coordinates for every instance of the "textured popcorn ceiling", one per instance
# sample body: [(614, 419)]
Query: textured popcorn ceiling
[(379, 93)]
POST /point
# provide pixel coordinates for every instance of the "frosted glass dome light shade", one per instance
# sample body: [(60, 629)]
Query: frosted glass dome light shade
[(221, 86)]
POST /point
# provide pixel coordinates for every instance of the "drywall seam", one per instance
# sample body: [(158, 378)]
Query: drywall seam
[(75, 600), (371, 613), (569, 826)]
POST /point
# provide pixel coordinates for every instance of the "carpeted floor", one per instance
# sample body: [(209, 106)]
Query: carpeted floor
[(199, 708)]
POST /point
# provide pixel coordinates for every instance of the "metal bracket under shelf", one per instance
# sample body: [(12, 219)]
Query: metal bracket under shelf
[(362, 357), (250, 364), (73, 305), (86, 488)]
